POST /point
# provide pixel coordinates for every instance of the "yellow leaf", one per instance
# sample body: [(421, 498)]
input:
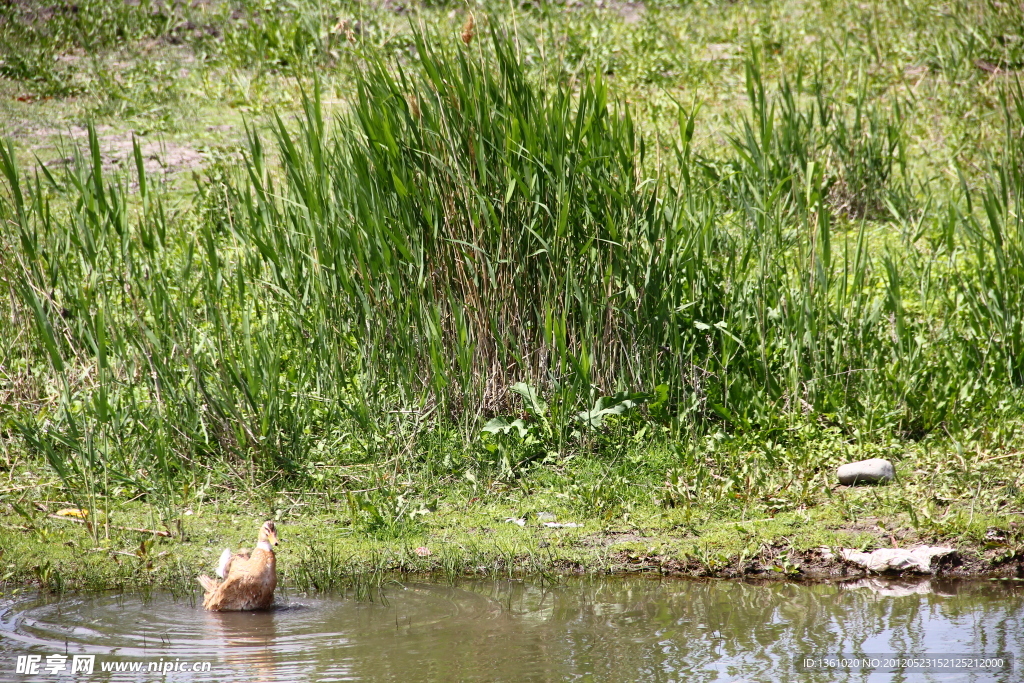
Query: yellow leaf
[(73, 512)]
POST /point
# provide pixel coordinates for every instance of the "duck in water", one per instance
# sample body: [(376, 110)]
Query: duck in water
[(249, 579)]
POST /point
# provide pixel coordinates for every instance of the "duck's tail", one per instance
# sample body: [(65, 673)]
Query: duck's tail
[(207, 583), (223, 563)]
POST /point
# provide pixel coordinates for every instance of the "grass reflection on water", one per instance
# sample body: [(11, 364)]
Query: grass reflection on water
[(602, 629)]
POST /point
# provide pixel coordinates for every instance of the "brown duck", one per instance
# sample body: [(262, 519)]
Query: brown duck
[(249, 580)]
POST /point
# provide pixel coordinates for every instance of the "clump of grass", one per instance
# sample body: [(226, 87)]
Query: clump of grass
[(325, 570), (977, 38), (34, 35), (513, 213)]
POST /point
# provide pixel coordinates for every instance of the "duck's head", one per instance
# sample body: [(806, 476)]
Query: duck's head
[(268, 533)]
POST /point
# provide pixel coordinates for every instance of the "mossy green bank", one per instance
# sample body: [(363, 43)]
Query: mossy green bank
[(599, 523)]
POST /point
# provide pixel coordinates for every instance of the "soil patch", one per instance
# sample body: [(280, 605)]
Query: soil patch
[(116, 150)]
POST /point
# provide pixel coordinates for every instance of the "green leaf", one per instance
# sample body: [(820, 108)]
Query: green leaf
[(611, 405), (534, 403), (499, 425)]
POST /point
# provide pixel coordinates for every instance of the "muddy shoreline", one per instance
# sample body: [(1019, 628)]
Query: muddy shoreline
[(166, 563)]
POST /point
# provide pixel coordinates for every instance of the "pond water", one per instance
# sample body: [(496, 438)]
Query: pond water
[(607, 629)]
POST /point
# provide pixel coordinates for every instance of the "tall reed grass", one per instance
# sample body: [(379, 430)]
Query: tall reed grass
[(467, 224)]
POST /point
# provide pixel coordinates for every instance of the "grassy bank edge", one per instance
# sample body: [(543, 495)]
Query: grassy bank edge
[(322, 552)]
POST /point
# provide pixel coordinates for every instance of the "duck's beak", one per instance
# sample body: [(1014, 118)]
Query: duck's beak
[(272, 538)]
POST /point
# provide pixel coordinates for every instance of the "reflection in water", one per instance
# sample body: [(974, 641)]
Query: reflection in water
[(897, 587), (608, 629), (246, 641)]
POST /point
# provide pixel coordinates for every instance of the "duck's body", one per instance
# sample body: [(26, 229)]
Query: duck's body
[(249, 579)]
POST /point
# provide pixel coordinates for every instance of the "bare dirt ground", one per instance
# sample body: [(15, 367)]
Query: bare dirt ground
[(116, 149)]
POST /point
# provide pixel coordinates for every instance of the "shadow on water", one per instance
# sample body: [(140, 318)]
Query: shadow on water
[(601, 629)]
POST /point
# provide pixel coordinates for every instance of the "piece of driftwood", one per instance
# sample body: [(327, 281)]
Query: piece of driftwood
[(165, 534)]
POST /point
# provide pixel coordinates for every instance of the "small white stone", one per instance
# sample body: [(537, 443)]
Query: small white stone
[(870, 471)]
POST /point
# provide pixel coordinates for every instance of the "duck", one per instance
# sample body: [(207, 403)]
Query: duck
[(249, 580)]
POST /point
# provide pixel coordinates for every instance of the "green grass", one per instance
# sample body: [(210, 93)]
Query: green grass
[(663, 267), (326, 548)]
